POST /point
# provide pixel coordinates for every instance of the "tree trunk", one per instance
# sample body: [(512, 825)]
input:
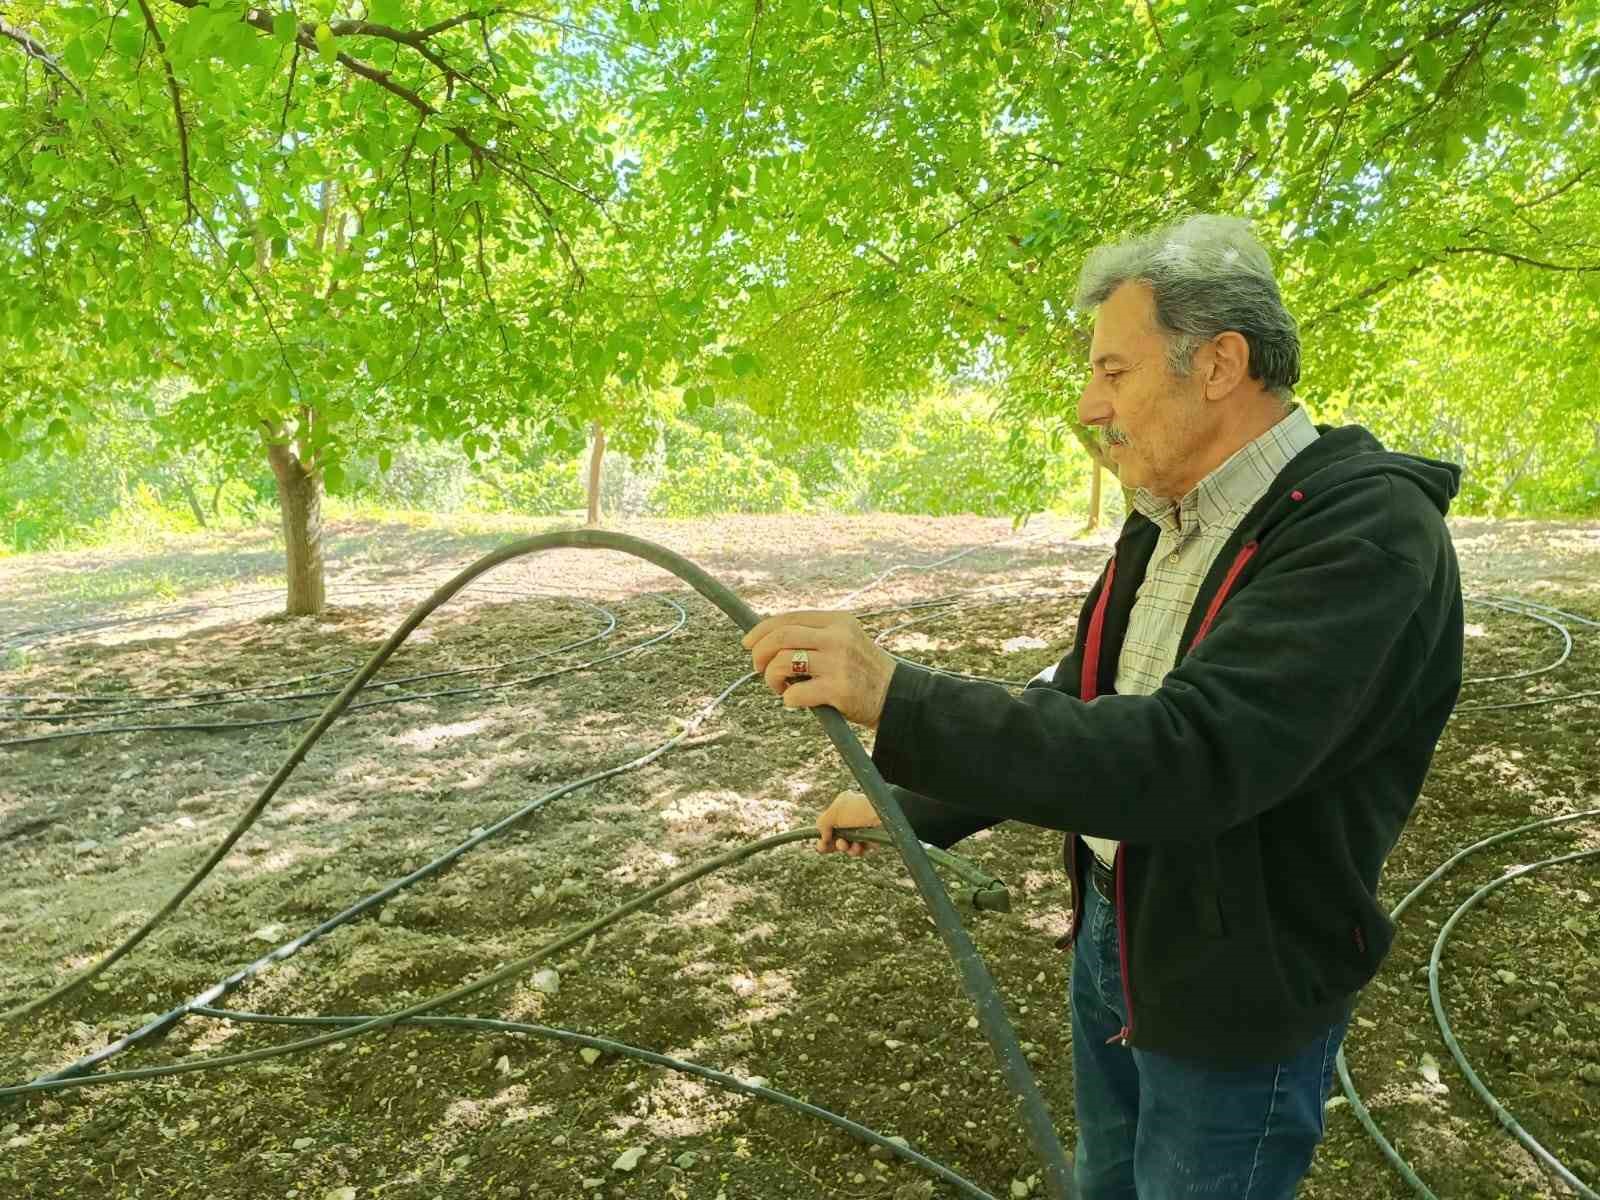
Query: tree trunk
[(1092, 448), (216, 499), (194, 504), (595, 457), (300, 502), (1094, 499)]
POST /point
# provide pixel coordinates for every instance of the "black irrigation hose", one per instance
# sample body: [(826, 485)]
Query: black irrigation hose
[(974, 974), (1503, 605), (22, 638), (1346, 1083), (218, 990), (1539, 612), (1499, 1110), (1011, 683), (404, 698), (249, 694), (963, 1185), (355, 1026), (938, 562), (988, 895)]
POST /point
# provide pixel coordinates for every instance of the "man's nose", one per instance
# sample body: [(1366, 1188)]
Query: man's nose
[(1092, 409)]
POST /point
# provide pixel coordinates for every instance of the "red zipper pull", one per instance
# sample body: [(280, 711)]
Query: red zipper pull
[(1120, 1037)]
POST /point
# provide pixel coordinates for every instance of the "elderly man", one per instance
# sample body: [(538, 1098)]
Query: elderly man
[(1236, 740)]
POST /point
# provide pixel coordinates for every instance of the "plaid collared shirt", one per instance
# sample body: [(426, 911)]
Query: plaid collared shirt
[(1193, 531)]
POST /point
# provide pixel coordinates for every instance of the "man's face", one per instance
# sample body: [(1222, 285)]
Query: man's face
[(1151, 421)]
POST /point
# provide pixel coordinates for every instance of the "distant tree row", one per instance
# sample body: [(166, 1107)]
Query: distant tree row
[(326, 229)]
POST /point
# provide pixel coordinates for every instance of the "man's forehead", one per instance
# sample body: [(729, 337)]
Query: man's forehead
[(1123, 324)]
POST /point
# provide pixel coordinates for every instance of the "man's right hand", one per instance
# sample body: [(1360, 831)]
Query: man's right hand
[(849, 810)]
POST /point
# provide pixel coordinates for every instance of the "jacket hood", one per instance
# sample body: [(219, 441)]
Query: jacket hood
[(1350, 452)]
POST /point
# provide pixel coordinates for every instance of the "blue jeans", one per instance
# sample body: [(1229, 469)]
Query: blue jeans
[(1160, 1128)]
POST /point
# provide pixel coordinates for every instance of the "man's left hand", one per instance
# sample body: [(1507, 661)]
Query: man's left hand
[(846, 669)]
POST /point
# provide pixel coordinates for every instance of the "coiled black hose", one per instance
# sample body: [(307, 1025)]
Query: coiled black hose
[(974, 975)]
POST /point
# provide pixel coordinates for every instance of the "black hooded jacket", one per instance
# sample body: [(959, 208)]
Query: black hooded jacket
[(1258, 791)]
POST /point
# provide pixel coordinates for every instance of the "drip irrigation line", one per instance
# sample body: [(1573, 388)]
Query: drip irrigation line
[(1538, 612), (606, 1045), (1501, 1113), (1556, 612), (24, 638), (1564, 698), (1347, 1084), (157, 704), (939, 562), (1011, 683), (148, 702), (298, 718), (63, 1080), (974, 975), (1500, 603), (294, 945)]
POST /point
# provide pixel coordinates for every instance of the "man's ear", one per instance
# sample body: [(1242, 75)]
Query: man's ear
[(1230, 363)]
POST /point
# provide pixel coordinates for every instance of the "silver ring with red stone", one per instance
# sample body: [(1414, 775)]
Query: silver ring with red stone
[(799, 665)]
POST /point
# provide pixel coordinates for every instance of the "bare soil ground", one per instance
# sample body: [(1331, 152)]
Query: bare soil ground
[(819, 974)]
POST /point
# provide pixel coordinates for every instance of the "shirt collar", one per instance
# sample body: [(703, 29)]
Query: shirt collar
[(1226, 494)]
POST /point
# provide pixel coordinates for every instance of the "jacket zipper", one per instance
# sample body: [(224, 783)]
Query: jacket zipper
[(1123, 1035), (1088, 689)]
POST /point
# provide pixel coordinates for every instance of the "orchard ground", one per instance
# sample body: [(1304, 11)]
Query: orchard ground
[(821, 975)]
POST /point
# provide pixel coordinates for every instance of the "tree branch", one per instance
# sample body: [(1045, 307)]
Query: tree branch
[(750, 57), (1150, 11), (177, 110), (35, 50), (288, 92), (1367, 293), (1559, 189), (1523, 259), (877, 37)]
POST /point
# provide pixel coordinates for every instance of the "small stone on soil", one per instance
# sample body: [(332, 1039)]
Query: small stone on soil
[(628, 1159)]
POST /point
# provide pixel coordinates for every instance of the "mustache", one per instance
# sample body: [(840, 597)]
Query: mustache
[(1110, 435)]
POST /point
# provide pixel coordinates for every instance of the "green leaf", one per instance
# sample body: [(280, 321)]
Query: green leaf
[(1192, 83), (327, 44), (284, 26), (385, 459), (1509, 97), (332, 477), (1247, 94), (78, 57), (1430, 66)]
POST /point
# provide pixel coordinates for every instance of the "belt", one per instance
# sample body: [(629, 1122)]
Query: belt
[(1105, 878)]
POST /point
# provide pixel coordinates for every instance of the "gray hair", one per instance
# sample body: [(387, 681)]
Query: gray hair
[(1209, 275)]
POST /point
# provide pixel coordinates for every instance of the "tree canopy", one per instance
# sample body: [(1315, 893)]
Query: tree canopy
[(341, 224)]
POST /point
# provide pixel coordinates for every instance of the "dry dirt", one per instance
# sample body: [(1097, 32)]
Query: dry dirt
[(819, 974)]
